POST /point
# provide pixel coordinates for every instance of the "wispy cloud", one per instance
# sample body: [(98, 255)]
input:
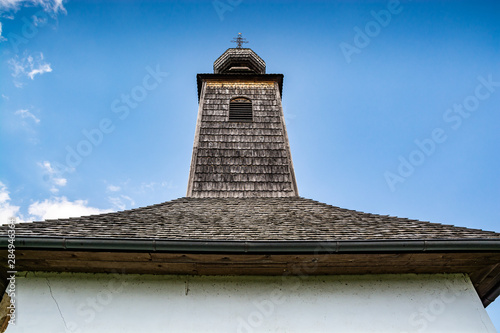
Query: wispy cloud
[(39, 21), (121, 202), (42, 68), (60, 181), (61, 207), (50, 6), (122, 195), (56, 6), (10, 4), (52, 176), (24, 113), (29, 67), (6, 209), (16, 67), (2, 38), (153, 186), (7, 16), (113, 188)]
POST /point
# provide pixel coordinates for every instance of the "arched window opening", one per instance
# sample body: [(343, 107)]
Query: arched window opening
[(240, 109)]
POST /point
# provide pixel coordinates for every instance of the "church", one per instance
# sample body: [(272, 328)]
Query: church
[(242, 251)]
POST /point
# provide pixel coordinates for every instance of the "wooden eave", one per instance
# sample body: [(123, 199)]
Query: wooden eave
[(483, 267)]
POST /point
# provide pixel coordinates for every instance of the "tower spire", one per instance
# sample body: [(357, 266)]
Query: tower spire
[(239, 40)]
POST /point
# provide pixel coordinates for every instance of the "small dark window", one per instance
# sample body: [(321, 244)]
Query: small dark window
[(240, 109)]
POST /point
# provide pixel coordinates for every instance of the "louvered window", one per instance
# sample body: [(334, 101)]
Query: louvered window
[(240, 109)]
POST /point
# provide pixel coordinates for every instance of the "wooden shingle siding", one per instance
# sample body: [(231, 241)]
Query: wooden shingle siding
[(241, 159), (239, 153)]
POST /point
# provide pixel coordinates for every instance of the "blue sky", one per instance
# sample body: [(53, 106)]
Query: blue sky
[(391, 108)]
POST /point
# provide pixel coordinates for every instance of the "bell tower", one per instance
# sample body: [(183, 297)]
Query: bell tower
[(241, 147)]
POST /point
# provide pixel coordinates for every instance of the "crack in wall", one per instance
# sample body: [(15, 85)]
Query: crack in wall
[(58, 308)]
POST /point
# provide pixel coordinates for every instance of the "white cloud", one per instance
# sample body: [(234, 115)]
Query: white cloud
[(42, 68), (113, 188), (53, 176), (9, 4), (24, 113), (58, 5), (16, 67), (50, 6), (60, 181), (39, 21), (7, 16), (118, 202), (6, 209), (152, 186), (2, 38), (56, 207), (47, 167), (28, 66), (60, 207)]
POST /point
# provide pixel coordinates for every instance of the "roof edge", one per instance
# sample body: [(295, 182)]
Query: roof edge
[(248, 247)]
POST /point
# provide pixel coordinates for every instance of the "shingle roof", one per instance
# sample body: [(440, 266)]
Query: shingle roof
[(247, 219), (239, 57)]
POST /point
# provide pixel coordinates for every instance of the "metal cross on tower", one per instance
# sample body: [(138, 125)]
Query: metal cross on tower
[(240, 40)]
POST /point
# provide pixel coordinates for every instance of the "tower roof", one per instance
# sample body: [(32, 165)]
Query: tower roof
[(239, 60)]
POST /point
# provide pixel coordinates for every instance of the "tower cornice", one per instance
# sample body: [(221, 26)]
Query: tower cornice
[(278, 78)]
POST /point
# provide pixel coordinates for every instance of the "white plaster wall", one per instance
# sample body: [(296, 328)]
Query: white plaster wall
[(52, 303)]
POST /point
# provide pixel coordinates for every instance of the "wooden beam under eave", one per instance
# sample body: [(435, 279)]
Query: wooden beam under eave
[(482, 268)]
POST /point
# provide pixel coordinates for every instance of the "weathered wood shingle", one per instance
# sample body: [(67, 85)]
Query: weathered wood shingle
[(246, 219), (241, 159)]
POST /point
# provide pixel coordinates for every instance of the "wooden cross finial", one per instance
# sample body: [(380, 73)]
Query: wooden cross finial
[(240, 40)]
